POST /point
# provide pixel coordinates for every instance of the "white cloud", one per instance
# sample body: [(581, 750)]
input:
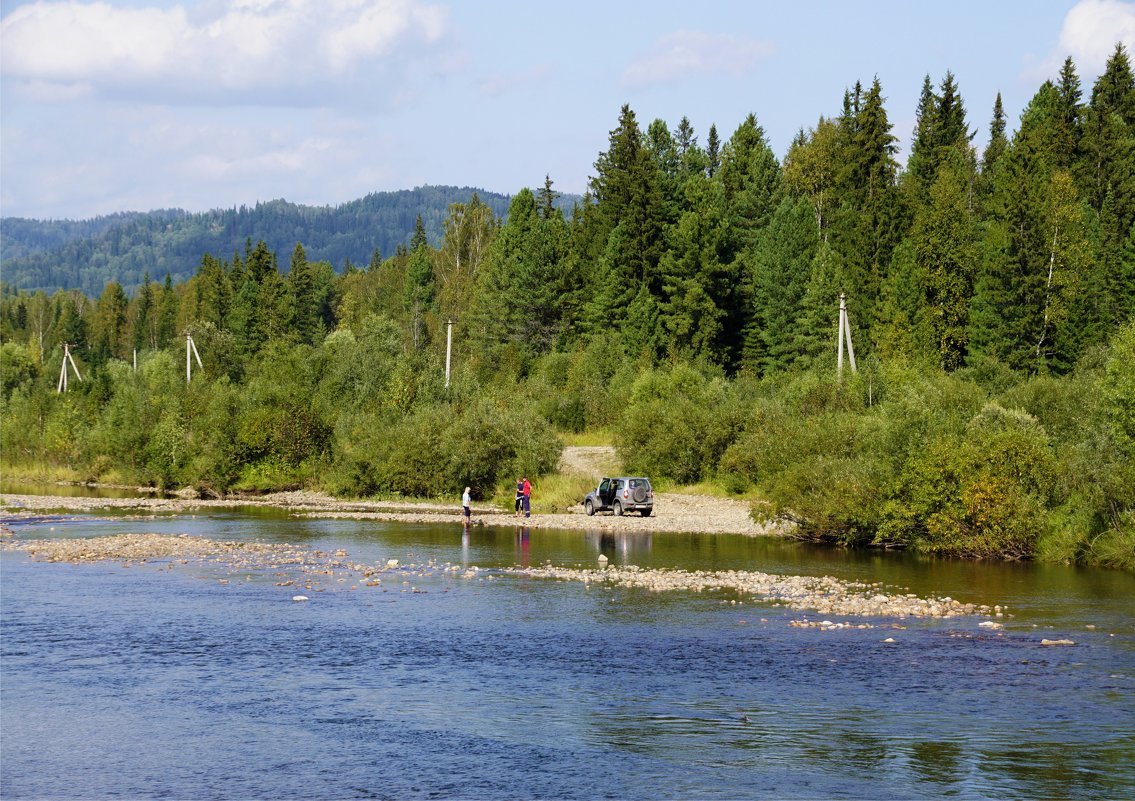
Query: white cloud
[(1090, 32), (285, 51), (683, 53)]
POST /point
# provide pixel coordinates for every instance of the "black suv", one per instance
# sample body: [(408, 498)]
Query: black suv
[(621, 495)]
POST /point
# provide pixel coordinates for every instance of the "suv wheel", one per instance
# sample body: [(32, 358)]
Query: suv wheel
[(618, 507), (646, 512), (589, 507)]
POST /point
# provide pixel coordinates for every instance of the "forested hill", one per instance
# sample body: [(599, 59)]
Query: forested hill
[(86, 254)]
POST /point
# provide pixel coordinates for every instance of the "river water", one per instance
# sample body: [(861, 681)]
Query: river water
[(193, 681)]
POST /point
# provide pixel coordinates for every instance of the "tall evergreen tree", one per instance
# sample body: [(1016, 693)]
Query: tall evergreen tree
[(782, 262), (699, 279), (940, 127), (143, 314), (419, 286), (1070, 130), (712, 151), (302, 304), (109, 340), (870, 214), (167, 314), (630, 214), (750, 175), (998, 141), (945, 247)]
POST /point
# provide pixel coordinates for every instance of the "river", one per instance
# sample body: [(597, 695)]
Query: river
[(198, 681)]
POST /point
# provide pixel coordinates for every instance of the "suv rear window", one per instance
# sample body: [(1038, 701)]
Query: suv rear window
[(639, 482)]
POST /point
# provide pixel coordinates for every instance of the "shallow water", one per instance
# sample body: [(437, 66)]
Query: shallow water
[(160, 681)]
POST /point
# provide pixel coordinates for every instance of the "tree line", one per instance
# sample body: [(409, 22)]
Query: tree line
[(688, 304), (121, 248)]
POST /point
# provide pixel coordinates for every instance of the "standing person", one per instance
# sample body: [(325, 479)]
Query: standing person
[(519, 495), (526, 488), (466, 503)]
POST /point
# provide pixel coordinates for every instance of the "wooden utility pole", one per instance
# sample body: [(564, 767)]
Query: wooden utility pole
[(844, 335), (67, 359), (448, 349), (191, 350)]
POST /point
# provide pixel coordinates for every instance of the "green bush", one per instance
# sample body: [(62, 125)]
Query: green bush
[(980, 494), (677, 425)]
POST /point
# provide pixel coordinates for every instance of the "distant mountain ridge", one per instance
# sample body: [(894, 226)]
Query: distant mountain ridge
[(87, 254)]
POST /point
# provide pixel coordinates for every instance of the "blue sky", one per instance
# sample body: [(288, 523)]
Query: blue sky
[(140, 104)]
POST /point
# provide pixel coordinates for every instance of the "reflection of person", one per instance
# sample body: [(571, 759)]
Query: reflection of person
[(522, 538), (466, 502), (519, 495), (526, 488)]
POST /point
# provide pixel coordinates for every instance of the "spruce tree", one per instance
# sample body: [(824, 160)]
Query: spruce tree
[(712, 152), (143, 312), (869, 224), (750, 175), (305, 321), (699, 286), (418, 293), (630, 220), (944, 237), (998, 141), (782, 262), (1071, 116)]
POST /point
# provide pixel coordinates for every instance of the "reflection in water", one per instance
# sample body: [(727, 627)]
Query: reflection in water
[(620, 548), (523, 535)]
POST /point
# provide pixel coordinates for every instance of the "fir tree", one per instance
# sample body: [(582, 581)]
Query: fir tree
[(419, 286), (781, 264), (712, 152), (143, 312)]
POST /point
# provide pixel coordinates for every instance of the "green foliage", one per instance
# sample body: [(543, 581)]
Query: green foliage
[(677, 424), (981, 494), (1118, 388), (433, 450)]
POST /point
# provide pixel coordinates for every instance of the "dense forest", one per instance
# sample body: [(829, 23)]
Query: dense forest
[(122, 248), (688, 306)]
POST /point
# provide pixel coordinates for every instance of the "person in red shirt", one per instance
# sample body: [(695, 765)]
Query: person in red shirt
[(527, 490)]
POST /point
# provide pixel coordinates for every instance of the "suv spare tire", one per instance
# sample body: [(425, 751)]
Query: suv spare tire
[(639, 494)]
